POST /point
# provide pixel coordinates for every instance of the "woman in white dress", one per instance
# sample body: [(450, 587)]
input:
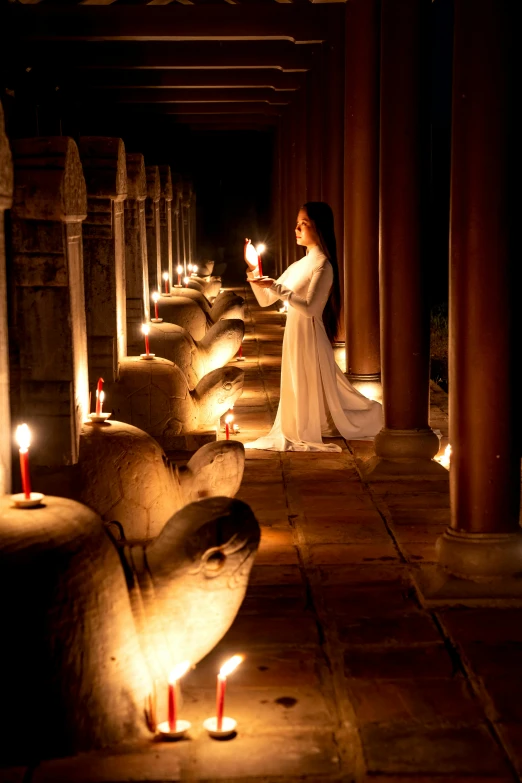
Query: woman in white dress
[(316, 398)]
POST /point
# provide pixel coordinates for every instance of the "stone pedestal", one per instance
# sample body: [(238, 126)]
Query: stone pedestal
[(361, 192), (404, 202), (49, 328), (136, 269), (6, 195), (152, 221), (105, 168), (165, 221)]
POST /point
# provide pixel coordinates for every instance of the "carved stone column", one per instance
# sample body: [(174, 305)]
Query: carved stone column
[(105, 168), (165, 213), (361, 193), (404, 201), (153, 227), (177, 185), (49, 328), (484, 540), (136, 268), (6, 195)]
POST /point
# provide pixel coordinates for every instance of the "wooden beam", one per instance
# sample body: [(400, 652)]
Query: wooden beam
[(166, 95), (202, 108), (267, 78), (298, 23), (131, 55)]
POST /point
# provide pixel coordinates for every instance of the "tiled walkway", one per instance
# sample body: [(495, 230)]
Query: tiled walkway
[(346, 676)]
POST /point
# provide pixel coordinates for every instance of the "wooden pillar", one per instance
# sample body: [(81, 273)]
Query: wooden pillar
[(361, 192), (333, 149), (315, 125), (48, 325), (136, 268), (6, 196), (153, 228), (484, 539), (165, 221), (404, 202), (105, 168)]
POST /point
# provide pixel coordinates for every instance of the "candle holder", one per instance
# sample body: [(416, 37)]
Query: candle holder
[(34, 500), (228, 727), (165, 733), (147, 355), (98, 418), (156, 320)]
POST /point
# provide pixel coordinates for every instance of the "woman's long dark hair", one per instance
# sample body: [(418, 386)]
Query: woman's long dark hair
[(322, 217)]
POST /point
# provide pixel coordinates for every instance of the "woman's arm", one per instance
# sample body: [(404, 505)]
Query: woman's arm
[(316, 296)]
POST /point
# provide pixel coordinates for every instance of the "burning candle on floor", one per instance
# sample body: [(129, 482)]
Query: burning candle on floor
[(194, 269), (179, 270), (146, 329), (23, 438), (99, 398), (167, 282), (229, 418), (220, 725), (175, 675), (260, 249)]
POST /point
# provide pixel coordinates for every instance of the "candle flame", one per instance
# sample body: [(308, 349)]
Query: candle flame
[(23, 437), (230, 665), (185, 280), (228, 418), (165, 275), (179, 269), (145, 328), (189, 267), (178, 671), (195, 268), (155, 296), (260, 249), (102, 396)]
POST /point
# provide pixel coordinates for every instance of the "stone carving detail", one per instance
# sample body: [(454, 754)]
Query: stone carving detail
[(90, 632), (126, 478), (195, 358), (201, 316), (49, 306), (136, 265), (154, 395), (6, 195), (165, 217), (152, 217)]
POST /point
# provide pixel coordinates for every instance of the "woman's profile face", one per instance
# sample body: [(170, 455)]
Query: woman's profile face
[(305, 233)]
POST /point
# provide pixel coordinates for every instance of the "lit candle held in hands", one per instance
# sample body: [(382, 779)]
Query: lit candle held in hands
[(260, 249)]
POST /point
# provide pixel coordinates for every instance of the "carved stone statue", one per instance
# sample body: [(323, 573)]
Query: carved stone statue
[(199, 318), (125, 477), (197, 357), (154, 395), (92, 633)]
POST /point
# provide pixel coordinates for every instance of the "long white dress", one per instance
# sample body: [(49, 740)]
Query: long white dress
[(316, 397)]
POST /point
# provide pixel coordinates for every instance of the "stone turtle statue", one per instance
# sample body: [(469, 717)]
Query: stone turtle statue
[(201, 316), (196, 358), (125, 477), (95, 625), (154, 395)]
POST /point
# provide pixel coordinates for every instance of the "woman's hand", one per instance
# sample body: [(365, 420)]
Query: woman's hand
[(265, 282), (250, 255)]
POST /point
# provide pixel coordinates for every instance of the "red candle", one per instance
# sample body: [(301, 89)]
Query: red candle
[(145, 329), (167, 284), (175, 675), (240, 352), (172, 706), (186, 280), (260, 249), (23, 438), (99, 398), (225, 670), (228, 419), (179, 270), (220, 700)]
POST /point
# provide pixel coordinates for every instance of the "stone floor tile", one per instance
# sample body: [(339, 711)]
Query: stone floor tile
[(505, 695), (492, 659), (400, 502), (493, 626), (420, 533), (394, 629), (421, 517), (354, 602), (443, 751), (275, 575), (375, 575), (419, 551), (360, 527), (381, 551), (276, 555), (249, 631), (423, 701), (511, 734), (388, 663), (284, 754), (150, 762)]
